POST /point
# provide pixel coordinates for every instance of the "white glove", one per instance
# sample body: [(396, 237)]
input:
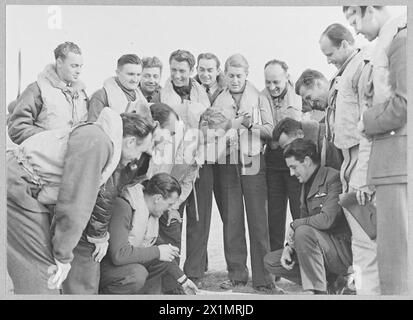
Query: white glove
[(59, 273)]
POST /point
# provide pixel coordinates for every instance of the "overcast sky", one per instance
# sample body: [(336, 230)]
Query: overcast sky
[(104, 33)]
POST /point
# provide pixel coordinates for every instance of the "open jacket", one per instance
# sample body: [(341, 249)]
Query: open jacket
[(52, 158), (49, 103), (250, 143), (321, 210), (386, 121)]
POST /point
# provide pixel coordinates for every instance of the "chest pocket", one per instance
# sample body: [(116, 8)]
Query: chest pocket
[(316, 202)]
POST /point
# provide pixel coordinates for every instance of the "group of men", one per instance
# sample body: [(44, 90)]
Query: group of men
[(97, 186)]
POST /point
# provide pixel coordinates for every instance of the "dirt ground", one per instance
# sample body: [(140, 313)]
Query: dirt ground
[(217, 273)]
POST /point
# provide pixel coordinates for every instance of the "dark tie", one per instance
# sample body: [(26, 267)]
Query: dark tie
[(208, 92)]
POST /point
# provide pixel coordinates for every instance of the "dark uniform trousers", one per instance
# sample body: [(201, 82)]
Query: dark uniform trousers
[(197, 232), (171, 234), (29, 248), (281, 187), (132, 278), (236, 189), (84, 274), (319, 257)]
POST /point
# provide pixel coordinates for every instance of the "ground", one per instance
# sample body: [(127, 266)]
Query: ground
[(217, 267), (216, 262)]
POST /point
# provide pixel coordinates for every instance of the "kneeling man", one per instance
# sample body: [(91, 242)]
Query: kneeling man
[(318, 247), (136, 259)]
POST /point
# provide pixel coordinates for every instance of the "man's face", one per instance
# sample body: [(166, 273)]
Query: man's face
[(151, 77), (132, 148), (166, 131), (207, 71), (286, 139), (236, 77), (214, 133), (129, 75), (316, 97), (302, 170), (276, 79), (70, 68), (180, 73), (161, 204), (367, 25), (335, 55)]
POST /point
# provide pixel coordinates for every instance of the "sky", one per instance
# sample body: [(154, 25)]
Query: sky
[(104, 33)]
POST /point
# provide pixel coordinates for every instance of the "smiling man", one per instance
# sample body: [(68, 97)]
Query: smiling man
[(151, 78), (313, 87), (281, 186), (348, 98), (56, 100), (181, 91), (121, 93), (209, 75)]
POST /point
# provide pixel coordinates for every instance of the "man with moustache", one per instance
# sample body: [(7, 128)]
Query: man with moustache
[(121, 93), (56, 100), (209, 75), (313, 87), (385, 124), (282, 187), (347, 102), (151, 78)]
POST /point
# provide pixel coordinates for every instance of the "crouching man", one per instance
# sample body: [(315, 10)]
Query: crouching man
[(136, 259), (318, 247)]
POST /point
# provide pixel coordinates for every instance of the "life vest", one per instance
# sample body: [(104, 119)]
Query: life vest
[(145, 227), (63, 106), (43, 154), (118, 101)]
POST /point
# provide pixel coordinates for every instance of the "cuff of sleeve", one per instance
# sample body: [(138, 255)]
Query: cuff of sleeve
[(98, 240), (298, 222)]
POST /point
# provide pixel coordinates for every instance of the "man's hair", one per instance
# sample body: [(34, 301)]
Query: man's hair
[(183, 55), (63, 49), (308, 78), (136, 125), (288, 126), (161, 112), (362, 9), (301, 148), (151, 62), (209, 56), (213, 117), (128, 59), (282, 64), (163, 184), (336, 33), (238, 61)]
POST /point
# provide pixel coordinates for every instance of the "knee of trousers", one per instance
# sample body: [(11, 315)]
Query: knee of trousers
[(136, 278), (304, 236)]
